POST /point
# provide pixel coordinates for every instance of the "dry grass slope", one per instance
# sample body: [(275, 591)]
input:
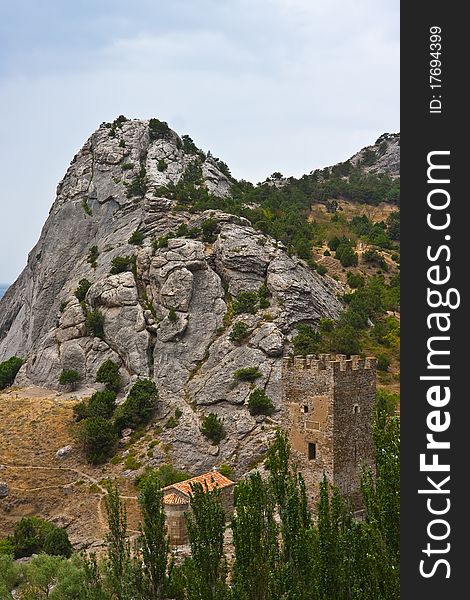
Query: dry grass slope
[(34, 424)]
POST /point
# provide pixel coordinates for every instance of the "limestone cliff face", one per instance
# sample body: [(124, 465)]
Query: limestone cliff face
[(170, 317), (381, 157)]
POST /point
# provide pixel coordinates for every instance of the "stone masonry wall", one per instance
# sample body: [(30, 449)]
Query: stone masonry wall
[(354, 401), (329, 403)]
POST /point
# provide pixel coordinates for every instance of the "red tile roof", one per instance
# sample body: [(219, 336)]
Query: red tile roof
[(213, 479), (174, 499)]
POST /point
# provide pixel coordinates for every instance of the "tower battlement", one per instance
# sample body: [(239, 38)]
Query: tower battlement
[(334, 362)]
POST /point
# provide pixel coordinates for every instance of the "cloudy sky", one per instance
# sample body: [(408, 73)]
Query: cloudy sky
[(266, 85)]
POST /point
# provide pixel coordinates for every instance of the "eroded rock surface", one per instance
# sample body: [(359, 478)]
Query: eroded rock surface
[(170, 314)]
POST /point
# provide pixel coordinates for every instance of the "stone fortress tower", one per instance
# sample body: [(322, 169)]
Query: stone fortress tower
[(330, 402)]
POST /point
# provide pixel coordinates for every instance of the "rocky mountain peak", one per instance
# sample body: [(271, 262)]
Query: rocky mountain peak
[(123, 271), (381, 157)]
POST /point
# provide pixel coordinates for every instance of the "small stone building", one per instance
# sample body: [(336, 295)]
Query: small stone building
[(330, 402), (177, 501)]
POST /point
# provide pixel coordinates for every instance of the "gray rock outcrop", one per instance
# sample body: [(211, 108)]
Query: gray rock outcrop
[(169, 314), (4, 491)]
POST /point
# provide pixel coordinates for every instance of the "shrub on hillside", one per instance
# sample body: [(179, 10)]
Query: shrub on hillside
[(138, 406), (345, 340), (138, 185), (355, 280), (247, 374), (307, 340), (161, 165), (102, 404), (9, 370), (159, 130), (136, 238), (382, 363), (225, 470), (346, 255), (92, 256), (213, 428), (166, 473), (239, 332), (94, 323), (209, 229), (108, 373), (259, 403), (33, 535), (80, 411), (98, 437), (120, 264), (246, 302), (57, 543), (70, 378), (83, 287)]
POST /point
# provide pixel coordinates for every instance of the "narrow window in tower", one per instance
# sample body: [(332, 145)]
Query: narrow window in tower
[(305, 408), (312, 451), (356, 409)]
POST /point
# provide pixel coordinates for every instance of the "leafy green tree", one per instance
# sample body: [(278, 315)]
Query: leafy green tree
[(346, 255), (153, 541), (33, 535), (307, 340), (57, 543), (9, 370), (381, 497), (98, 437), (334, 521), (206, 570), (296, 569), (6, 546), (345, 340), (118, 561), (213, 428), (255, 539), (259, 403), (102, 404), (355, 280), (166, 474), (41, 577), (70, 378), (9, 576), (93, 585), (139, 405), (109, 374)]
